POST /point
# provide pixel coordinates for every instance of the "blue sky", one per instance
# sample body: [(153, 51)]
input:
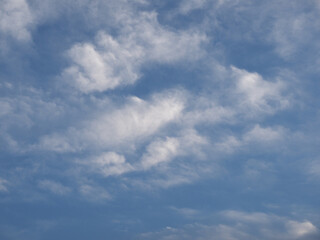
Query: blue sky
[(185, 119)]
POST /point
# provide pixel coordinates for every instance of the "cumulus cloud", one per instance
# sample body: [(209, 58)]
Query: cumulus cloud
[(109, 164), (16, 19), (300, 229), (160, 157), (115, 61), (160, 151), (172, 161), (164, 150), (130, 123), (268, 134), (256, 136), (94, 70), (258, 93)]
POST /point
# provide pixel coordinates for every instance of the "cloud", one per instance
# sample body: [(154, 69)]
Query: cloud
[(268, 134), (256, 136), (188, 143), (3, 187), (109, 164), (114, 61), (94, 70), (24, 112), (313, 168), (93, 193), (128, 124), (187, 6), (160, 151), (171, 160), (16, 19), (257, 93), (159, 157), (236, 225), (294, 31), (300, 229), (188, 212), (54, 187)]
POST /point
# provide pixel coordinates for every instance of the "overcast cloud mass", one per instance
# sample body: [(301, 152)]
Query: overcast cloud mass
[(159, 119)]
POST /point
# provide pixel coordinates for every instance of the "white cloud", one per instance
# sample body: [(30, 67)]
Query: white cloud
[(228, 145), (3, 187), (95, 70), (110, 164), (268, 134), (116, 61), (23, 112), (16, 19), (300, 229), (160, 151), (207, 111), (234, 225), (257, 93), (294, 30), (314, 168), (129, 124), (187, 6), (138, 119), (162, 156), (5, 107), (54, 187), (189, 143), (158, 156), (93, 193), (256, 136)]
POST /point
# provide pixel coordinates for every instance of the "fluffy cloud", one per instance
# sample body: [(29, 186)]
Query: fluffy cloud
[(109, 164), (268, 134), (160, 151), (115, 61), (258, 93), (130, 123), (16, 19), (164, 150), (256, 136)]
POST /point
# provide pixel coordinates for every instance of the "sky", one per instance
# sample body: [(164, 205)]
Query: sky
[(159, 119)]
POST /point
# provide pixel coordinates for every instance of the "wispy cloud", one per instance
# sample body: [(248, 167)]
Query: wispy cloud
[(242, 225), (54, 187), (3, 187)]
